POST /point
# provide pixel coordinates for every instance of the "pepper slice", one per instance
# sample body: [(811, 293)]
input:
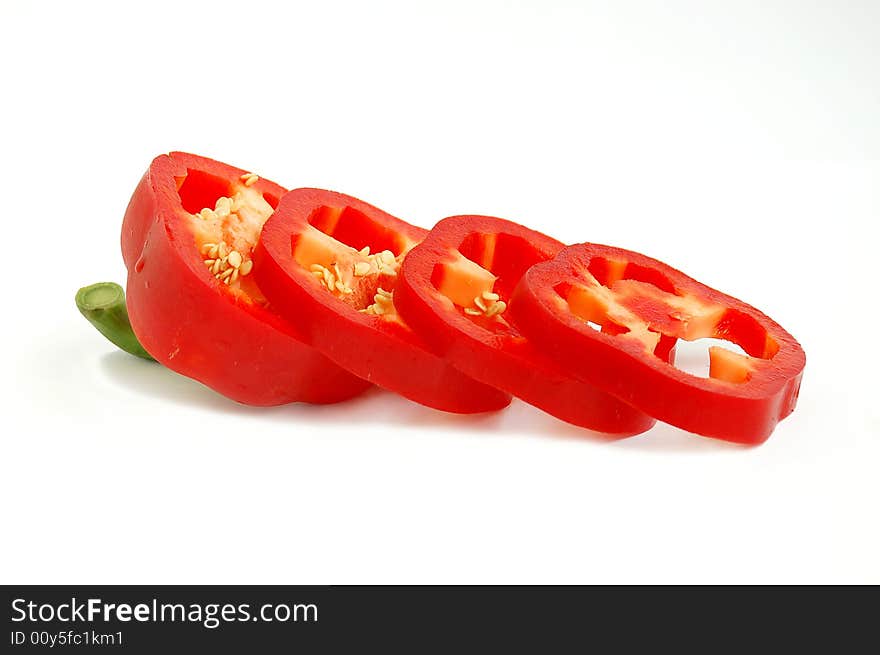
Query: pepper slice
[(453, 289), (639, 301), (328, 263), (187, 240)]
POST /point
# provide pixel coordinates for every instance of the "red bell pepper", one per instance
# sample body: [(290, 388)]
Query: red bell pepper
[(187, 239), (328, 263), (638, 301), (452, 290)]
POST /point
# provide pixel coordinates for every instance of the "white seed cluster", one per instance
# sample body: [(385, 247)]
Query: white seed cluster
[(381, 262), (225, 265), (222, 208), (249, 179), (336, 282), (383, 303), (385, 262), (487, 304), (331, 278)]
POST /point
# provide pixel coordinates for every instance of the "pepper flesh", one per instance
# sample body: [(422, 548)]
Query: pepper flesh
[(190, 317), (638, 301), (446, 286), (329, 264)]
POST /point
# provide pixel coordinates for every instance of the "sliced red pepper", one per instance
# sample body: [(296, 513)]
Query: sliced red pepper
[(328, 263), (639, 301), (452, 290), (187, 240)]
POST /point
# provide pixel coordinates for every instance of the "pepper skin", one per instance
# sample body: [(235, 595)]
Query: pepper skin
[(328, 263), (194, 317), (452, 289), (637, 301)]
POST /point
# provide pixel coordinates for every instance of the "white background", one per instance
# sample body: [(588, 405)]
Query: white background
[(738, 141)]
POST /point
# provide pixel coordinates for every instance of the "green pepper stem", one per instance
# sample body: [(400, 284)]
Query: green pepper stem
[(103, 305)]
